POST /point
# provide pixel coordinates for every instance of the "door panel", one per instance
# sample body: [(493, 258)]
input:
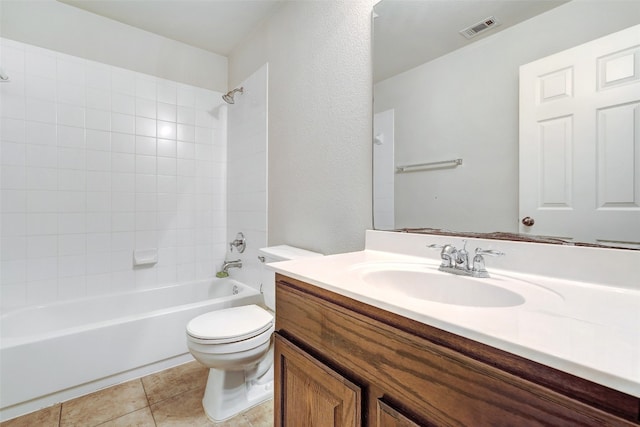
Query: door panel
[(580, 142), (309, 393)]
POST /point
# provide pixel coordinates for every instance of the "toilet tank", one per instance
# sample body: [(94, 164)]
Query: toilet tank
[(268, 277)]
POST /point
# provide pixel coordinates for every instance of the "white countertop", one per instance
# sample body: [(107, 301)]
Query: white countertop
[(587, 330)]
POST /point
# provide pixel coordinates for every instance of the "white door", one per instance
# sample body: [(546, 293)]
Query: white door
[(383, 171), (580, 142)]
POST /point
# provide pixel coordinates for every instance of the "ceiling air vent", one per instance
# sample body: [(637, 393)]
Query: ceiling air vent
[(480, 27)]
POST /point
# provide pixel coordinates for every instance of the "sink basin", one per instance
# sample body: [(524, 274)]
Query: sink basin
[(425, 282)]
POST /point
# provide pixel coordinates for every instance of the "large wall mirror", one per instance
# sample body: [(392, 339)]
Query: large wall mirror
[(447, 116)]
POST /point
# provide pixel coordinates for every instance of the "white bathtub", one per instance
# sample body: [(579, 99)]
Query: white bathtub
[(55, 352)]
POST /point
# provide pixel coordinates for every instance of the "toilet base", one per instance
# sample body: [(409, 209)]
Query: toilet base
[(228, 393)]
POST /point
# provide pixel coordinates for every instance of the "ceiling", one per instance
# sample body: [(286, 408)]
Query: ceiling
[(408, 33), (217, 26)]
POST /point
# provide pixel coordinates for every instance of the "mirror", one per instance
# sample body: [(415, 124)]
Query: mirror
[(453, 103)]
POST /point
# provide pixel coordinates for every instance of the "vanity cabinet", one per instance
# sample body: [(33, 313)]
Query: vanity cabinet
[(340, 362)]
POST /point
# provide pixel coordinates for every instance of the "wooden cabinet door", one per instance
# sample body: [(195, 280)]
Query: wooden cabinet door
[(309, 393)]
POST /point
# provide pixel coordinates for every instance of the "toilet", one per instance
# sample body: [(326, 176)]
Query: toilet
[(236, 345)]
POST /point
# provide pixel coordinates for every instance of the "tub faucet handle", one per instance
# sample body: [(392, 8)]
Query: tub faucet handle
[(240, 243)]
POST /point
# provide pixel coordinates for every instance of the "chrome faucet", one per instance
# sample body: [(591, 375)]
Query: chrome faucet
[(456, 261), (231, 264)]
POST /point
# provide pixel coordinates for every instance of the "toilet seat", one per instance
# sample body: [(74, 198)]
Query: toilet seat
[(230, 325)]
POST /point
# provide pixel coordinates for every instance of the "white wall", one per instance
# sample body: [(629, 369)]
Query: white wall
[(97, 161), (247, 174), (67, 29), (320, 121), (465, 104)]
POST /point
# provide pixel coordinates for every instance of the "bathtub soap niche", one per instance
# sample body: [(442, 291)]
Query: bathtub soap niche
[(145, 256)]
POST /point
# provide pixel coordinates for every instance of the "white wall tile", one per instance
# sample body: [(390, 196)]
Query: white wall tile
[(123, 81), (98, 119), (42, 223), (71, 115), (12, 130), (123, 162), (40, 87), (98, 181), (145, 127), (123, 123), (146, 145), (98, 140), (97, 98), (84, 181), (13, 248), (13, 106), (166, 112), (13, 153), (72, 137), (42, 178), (98, 222), (39, 110), (98, 75), (124, 104), (98, 243), (186, 115), (42, 201), (70, 69), (14, 224), (42, 246), (71, 158), (167, 91), (123, 143), (166, 130), (13, 177), (71, 93), (40, 133), (122, 181), (98, 160), (42, 269), (72, 244), (145, 87), (145, 108)]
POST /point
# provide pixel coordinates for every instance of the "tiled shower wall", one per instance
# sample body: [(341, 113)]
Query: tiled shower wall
[(247, 174), (96, 162)]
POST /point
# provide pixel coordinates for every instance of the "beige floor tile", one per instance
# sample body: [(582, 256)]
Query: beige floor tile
[(182, 410), (104, 405), (174, 381), (47, 417), (261, 415), (139, 418)]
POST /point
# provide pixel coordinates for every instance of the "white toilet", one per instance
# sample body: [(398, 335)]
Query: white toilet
[(236, 345)]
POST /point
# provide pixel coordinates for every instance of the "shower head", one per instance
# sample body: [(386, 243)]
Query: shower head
[(228, 97)]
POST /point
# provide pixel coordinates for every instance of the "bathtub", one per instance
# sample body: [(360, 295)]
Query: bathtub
[(55, 352)]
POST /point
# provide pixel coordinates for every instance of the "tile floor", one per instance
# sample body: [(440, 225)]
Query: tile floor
[(168, 398)]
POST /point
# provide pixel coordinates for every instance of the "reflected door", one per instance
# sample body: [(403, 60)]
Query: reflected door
[(580, 142)]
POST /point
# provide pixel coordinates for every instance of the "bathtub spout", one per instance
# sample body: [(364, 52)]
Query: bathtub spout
[(227, 265)]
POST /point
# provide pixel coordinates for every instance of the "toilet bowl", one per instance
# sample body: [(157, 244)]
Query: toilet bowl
[(236, 345), (232, 343)]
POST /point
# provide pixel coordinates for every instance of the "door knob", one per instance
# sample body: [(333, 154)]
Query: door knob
[(528, 221)]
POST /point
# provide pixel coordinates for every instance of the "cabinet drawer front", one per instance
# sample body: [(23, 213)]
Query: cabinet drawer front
[(443, 385), (309, 393)]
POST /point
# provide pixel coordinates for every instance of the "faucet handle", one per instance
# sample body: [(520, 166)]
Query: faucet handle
[(448, 254), (480, 251), (478, 261)]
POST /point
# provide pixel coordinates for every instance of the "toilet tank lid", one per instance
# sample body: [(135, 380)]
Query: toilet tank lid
[(285, 252)]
